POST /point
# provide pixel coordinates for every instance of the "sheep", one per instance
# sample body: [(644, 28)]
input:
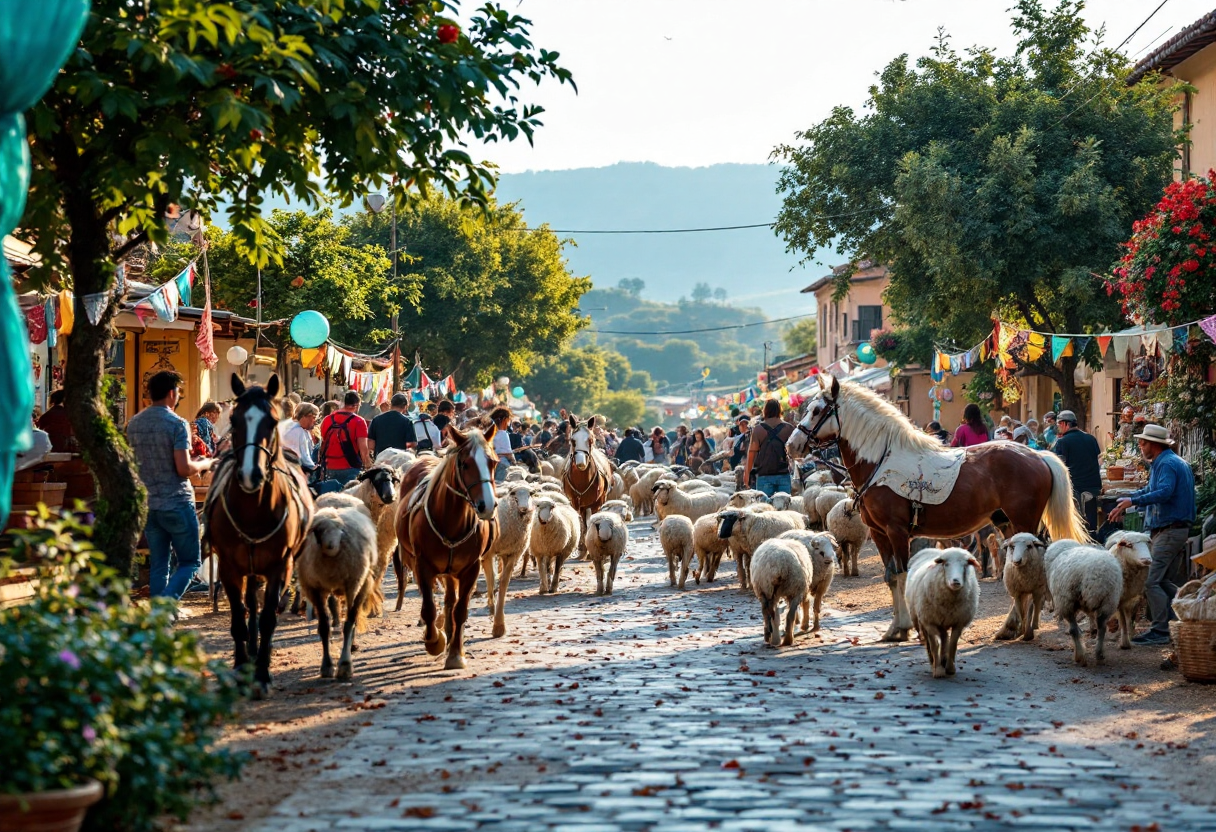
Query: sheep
[(809, 495), (1134, 552), (554, 536), (824, 550), (690, 486), (607, 537), (343, 499), (783, 501), (747, 497), (748, 528), (827, 498), (397, 459), (676, 536), (782, 570), (846, 525), (617, 490), (514, 530), (669, 499), (943, 597), (621, 507), (546, 468), (708, 547), (1026, 582), (1088, 579), (712, 479), (338, 558), (516, 473), (641, 493), (377, 488)]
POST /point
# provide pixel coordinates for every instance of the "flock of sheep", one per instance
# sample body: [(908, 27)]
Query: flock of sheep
[(787, 550)]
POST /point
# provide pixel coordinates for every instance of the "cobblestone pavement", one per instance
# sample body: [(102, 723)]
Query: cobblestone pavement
[(660, 710)]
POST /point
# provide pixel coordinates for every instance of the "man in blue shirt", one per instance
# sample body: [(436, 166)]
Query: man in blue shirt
[(1169, 502)]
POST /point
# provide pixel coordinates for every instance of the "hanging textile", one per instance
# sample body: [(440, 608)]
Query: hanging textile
[(1123, 343), (94, 305), (1103, 344), (184, 282), (346, 366), (166, 302), (205, 342), (51, 314), (1149, 340), (35, 322), (1058, 344), (1036, 345), (1208, 325), (67, 313), (1077, 346), (1180, 337)]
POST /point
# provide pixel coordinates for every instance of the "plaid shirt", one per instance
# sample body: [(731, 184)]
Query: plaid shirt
[(155, 433)]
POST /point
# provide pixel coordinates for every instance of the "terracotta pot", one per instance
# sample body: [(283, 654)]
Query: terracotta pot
[(1114, 473), (58, 810)]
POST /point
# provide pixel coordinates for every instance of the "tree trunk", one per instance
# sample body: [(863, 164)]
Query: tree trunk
[(121, 505)]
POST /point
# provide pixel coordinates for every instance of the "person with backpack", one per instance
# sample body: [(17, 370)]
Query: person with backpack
[(428, 435), (344, 443), (766, 454), (391, 429)]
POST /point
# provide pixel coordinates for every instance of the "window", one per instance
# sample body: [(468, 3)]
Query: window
[(869, 318), (844, 323)]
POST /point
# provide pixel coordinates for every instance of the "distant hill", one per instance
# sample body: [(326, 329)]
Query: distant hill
[(751, 265)]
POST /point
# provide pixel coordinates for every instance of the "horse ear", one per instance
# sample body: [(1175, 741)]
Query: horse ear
[(591, 423), (835, 387), (488, 433), (458, 436), (272, 386), (573, 422), (238, 386)]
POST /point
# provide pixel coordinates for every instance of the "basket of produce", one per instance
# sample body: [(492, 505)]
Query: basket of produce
[(1195, 631)]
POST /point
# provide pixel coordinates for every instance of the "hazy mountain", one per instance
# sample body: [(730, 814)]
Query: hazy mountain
[(751, 265)]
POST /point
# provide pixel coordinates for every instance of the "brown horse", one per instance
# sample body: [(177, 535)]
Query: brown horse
[(446, 520), (258, 512), (586, 475), (1029, 487)]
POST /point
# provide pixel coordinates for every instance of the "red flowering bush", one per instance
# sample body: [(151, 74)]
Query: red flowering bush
[(1168, 273)]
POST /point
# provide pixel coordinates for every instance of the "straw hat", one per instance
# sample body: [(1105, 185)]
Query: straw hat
[(1156, 433)]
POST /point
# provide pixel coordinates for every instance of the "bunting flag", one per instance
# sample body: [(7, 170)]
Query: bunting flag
[(1208, 325), (35, 322), (1181, 334), (1077, 346), (1058, 344), (184, 283), (144, 311), (347, 361), (1103, 344), (51, 315), (94, 305), (1149, 340), (311, 358), (1122, 345), (1165, 340)]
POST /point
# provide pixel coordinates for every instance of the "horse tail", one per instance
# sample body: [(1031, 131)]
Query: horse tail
[(1062, 517)]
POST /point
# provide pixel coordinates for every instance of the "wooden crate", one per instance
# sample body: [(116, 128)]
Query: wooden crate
[(18, 587), (31, 493)]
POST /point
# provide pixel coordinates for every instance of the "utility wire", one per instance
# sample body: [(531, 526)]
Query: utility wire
[(704, 329), (692, 230)]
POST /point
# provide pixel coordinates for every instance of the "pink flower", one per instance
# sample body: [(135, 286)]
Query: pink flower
[(69, 658), (89, 733)]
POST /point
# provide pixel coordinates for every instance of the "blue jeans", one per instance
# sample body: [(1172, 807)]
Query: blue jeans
[(772, 483), (500, 471), (342, 476), (175, 528)]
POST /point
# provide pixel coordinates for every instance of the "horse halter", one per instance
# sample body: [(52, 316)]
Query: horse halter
[(466, 491), (831, 410)]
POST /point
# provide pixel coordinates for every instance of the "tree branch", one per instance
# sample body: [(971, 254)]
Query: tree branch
[(126, 248)]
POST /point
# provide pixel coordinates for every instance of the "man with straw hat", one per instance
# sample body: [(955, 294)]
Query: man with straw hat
[(1169, 501)]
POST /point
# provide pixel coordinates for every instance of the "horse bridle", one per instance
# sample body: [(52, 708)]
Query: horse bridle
[(468, 498), (569, 469), (831, 410), (466, 492)]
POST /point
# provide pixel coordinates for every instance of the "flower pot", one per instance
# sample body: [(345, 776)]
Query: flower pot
[(58, 810), (1114, 473)]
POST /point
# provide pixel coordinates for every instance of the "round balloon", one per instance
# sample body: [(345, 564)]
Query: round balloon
[(309, 329), (237, 354), (866, 354), (517, 392)]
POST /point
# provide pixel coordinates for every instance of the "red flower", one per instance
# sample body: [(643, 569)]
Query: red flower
[(1191, 265), (448, 33)]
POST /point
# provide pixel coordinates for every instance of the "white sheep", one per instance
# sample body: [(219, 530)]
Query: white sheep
[(695, 485), (1088, 579), (338, 559), (623, 508), (669, 499), (708, 547), (514, 531), (824, 550), (782, 571), (343, 499), (554, 537), (516, 473), (827, 498), (782, 501), (747, 497), (1134, 551), (809, 495), (546, 468), (846, 525), (397, 459), (747, 528), (617, 489), (676, 536), (1025, 577), (377, 488), (606, 540), (943, 597), (641, 493)]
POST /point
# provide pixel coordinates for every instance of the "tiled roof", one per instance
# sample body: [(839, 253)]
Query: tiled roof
[(1193, 38)]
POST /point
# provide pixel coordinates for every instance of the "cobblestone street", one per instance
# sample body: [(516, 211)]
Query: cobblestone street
[(660, 710)]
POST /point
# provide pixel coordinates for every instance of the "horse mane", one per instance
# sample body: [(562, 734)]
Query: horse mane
[(873, 426)]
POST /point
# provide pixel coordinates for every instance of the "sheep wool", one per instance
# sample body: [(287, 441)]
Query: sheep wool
[(675, 536), (607, 538), (708, 547), (845, 523), (514, 512), (554, 537), (1134, 552), (1084, 579), (671, 499), (1025, 576), (781, 571), (823, 550), (943, 597)]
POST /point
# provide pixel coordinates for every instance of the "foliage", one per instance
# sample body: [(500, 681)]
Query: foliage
[(622, 408), (989, 184), (802, 338), (1187, 396), (632, 286), (575, 378), (482, 290), (621, 376), (94, 685), (1168, 273)]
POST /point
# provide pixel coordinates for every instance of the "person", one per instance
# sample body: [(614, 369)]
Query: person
[(630, 449), (444, 413), (161, 442), (392, 429), (700, 448), (1080, 453), (1002, 433), (1169, 501), (1032, 425), (331, 406), (660, 446), (679, 449), (204, 422), (297, 437), (1050, 432), (57, 425), (738, 433), (766, 454), (198, 448), (935, 429), (611, 441), (559, 445), (546, 434), (343, 451), (501, 417), (1021, 435), (427, 435), (972, 430)]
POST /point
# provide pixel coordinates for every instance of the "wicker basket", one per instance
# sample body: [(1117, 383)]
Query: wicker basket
[(1196, 658)]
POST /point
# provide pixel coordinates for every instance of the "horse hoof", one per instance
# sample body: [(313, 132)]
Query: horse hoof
[(1003, 635), (260, 691), (400, 604), (499, 630), (455, 662), (1028, 637), (437, 646), (1081, 660), (345, 671), (939, 673), (950, 670), (327, 670)]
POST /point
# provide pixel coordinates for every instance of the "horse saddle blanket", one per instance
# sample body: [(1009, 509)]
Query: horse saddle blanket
[(926, 478)]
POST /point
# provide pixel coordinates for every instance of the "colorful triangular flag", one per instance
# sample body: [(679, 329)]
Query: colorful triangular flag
[(1058, 344)]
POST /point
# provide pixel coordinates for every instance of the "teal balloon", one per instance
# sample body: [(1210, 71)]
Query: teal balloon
[(14, 170), (309, 329), (518, 392), (866, 354), (36, 38)]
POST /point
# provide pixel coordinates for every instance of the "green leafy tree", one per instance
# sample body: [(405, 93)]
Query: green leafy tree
[(802, 338), (574, 378), (191, 101), (701, 293), (622, 408), (989, 185), (620, 375)]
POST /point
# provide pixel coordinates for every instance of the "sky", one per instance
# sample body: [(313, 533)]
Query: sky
[(698, 82)]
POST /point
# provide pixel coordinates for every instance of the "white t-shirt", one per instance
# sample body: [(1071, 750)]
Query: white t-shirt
[(297, 440), (427, 426), (502, 443)]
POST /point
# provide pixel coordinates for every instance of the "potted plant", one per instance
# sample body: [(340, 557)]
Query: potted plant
[(102, 701)]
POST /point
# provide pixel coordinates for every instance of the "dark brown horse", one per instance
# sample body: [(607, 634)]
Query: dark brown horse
[(446, 520), (586, 475), (258, 512), (1030, 488)]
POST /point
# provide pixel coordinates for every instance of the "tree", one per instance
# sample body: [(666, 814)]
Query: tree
[(633, 286), (622, 408), (701, 293), (720, 294), (989, 186), (802, 338), (574, 378), (481, 290), (194, 100)]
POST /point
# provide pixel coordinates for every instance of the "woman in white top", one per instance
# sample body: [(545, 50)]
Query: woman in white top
[(296, 435), (501, 417)]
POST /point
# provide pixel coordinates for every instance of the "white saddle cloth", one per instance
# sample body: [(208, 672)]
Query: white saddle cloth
[(927, 478)]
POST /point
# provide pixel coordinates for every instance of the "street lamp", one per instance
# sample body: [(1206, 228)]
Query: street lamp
[(375, 204)]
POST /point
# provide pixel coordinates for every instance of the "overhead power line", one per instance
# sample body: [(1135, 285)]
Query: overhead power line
[(694, 230), (703, 329)]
